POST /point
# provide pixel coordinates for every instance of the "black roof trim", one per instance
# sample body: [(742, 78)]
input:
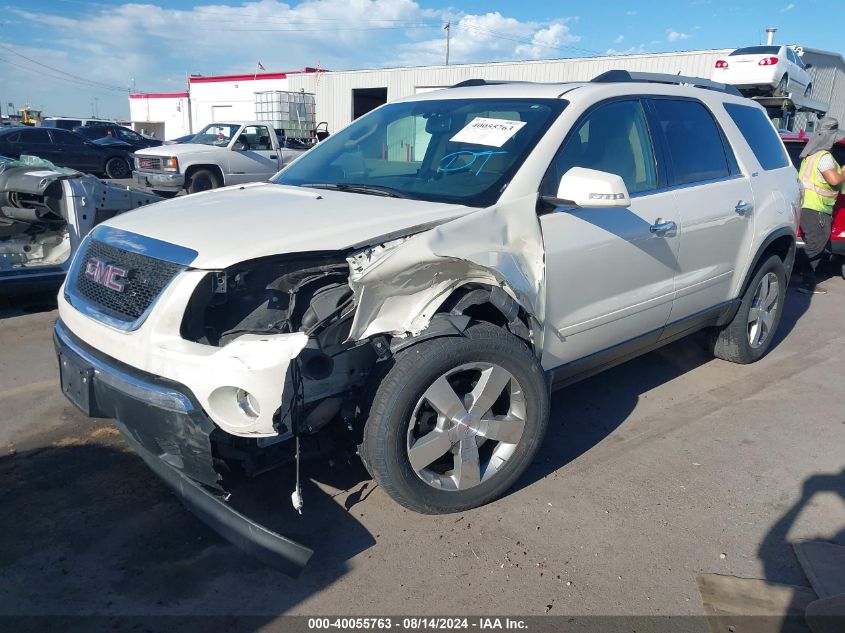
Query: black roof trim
[(624, 76)]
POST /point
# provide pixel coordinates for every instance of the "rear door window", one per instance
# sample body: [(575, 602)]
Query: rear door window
[(693, 140), (759, 134)]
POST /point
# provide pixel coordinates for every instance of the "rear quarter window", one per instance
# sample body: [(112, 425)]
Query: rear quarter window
[(760, 135)]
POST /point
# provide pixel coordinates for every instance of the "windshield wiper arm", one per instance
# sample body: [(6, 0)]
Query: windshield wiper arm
[(373, 190)]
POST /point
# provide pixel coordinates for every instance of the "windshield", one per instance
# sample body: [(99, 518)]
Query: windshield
[(463, 151), (757, 50), (218, 134)]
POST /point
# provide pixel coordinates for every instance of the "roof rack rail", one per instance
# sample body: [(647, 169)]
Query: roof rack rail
[(469, 83), (624, 76)]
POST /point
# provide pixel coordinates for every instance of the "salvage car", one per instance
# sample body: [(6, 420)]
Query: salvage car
[(219, 154), (420, 280), (765, 70), (45, 211), (795, 142), (66, 149)]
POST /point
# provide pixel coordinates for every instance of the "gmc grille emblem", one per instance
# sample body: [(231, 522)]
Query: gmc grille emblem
[(108, 275)]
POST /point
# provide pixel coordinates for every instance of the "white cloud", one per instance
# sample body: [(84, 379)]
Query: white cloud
[(788, 7), (639, 49), (674, 36), (491, 36), (619, 39), (630, 12), (158, 46)]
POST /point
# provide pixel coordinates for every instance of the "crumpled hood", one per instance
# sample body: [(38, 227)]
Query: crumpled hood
[(244, 222)]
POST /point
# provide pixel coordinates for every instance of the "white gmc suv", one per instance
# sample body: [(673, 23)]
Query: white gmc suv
[(422, 279)]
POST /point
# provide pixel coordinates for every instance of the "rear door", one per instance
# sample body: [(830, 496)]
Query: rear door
[(714, 201), (609, 274), (33, 142)]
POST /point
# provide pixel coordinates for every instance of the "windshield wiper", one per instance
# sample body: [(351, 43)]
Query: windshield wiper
[(373, 190)]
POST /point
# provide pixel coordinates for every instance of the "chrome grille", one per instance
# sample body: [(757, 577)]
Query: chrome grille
[(146, 277), (147, 162)]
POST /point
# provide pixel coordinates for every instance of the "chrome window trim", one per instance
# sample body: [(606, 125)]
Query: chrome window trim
[(156, 395), (687, 185), (134, 243)]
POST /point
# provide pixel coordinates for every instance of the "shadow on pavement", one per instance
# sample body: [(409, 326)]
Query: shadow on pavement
[(89, 529)]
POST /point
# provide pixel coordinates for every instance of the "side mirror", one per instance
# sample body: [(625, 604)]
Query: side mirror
[(807, 66), (591, 188)]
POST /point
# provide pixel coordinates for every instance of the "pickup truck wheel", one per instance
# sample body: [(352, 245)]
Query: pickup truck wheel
[(456, 420), (747, 337), (202, 180), (165, 194), (118, 168)]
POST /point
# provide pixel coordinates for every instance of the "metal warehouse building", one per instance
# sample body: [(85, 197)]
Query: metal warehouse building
[(343, 96)]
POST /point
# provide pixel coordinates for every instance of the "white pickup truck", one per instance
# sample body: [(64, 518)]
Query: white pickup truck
[(220, 154)]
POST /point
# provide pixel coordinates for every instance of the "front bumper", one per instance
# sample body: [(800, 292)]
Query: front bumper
[(159, 180), (165, 425)]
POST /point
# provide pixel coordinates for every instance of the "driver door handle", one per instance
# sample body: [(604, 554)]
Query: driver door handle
[(662, 229), (743, 207)]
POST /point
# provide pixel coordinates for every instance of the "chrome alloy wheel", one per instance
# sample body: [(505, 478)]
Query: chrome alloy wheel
[(466, 426), (763, 310)]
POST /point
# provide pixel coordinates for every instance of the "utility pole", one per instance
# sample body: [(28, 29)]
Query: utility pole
[(448, 29)]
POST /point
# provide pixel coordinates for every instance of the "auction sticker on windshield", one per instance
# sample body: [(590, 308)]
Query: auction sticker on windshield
[(490, 132)]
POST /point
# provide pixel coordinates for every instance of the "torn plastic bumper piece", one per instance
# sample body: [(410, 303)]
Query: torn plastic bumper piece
[(163, 423)]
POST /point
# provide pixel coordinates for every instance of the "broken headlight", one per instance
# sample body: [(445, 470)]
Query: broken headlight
[(288, 294)]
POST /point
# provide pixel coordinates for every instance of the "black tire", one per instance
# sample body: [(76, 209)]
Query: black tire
[(783, 87), (842, 269), (202, 180), (118, 168), (808, 91), (166, 194), (385, 448), (733, 342)]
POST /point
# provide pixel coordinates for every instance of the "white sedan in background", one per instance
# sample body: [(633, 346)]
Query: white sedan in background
[(776, 70)]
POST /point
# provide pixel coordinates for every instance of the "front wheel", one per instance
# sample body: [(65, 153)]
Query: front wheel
[(117, 168), (749, 335), (456, 420), (808, 91), (202, 180)]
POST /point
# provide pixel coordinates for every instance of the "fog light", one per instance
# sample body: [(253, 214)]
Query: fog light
[(247, 403)]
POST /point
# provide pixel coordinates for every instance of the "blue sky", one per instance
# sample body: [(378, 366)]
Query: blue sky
[(71, 56)]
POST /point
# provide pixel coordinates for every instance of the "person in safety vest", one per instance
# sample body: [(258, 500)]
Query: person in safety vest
[(821, 178)]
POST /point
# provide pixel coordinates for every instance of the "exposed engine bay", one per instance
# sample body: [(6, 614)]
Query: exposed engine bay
[(308, 294)]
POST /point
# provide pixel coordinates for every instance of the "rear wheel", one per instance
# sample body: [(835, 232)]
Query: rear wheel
[(783, 87), (202, 180), (749, 335), (456, 420), (117, 168)]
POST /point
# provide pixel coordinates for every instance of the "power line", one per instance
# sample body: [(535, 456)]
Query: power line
[(90, 82), (48, 75)]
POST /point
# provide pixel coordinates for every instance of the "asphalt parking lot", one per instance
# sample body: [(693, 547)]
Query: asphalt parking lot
[(672, 465)]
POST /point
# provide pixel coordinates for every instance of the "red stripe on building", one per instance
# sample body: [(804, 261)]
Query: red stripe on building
[(159, 95), (203, 80)]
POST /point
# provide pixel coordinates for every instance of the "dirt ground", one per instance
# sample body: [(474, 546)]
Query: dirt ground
[(669, 466)]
